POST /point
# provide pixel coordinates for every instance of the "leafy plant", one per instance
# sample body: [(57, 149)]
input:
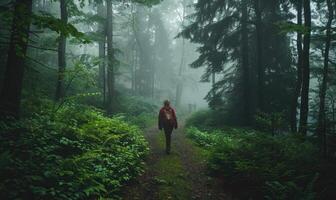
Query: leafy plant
[(78, 153), (278, 167)]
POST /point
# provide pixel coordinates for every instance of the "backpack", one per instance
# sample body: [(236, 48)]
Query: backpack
[(168, 115)]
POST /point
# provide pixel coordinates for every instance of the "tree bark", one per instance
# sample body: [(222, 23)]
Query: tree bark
[(102, 51), (60, 92), (321, 127), (297, 90), (260, 67), (245, 64), (333, 107), (179, 86), (213, 83), (13, 78), (110, 55), (305, 70)]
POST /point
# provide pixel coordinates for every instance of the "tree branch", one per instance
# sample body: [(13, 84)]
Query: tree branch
[(42, 48), (40, 63)]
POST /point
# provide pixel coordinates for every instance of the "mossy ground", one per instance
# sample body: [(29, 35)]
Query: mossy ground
[(182, 175), (171, 175)]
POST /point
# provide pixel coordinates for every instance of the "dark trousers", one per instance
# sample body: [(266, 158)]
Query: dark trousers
[(168, 132)]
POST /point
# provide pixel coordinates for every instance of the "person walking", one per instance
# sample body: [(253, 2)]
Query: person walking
[(167, 122)]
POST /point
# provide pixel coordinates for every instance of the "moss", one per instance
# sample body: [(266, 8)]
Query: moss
[(171, 176)]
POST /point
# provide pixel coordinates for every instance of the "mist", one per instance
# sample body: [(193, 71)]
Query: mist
[(167, 99)]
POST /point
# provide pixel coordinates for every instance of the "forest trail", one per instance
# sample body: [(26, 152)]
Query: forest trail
[(180, 175)]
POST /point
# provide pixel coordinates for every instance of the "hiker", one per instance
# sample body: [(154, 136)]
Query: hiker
[(167, 121)]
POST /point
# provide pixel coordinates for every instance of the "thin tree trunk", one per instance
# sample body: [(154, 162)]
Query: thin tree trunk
[(297, 91), (152, 78), (213, 84), (110, 54), (305, 70), (245, 65), (13, 78), (102, 50), (60, 92), (333, 116), (136, 72), (179, 87), (132, 69), (260, 68), (321, 127)]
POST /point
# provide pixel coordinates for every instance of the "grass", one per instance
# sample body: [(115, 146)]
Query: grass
[(171, 177)]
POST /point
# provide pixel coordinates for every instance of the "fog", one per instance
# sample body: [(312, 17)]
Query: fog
[(250, 84), (151, 34)]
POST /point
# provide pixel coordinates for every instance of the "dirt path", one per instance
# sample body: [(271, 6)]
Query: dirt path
[(180, 175)]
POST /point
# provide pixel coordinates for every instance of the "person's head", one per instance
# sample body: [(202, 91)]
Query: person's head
[(166, 103)]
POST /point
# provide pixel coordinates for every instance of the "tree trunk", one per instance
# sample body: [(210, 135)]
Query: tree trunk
[(305, 70), (213, 80), (60, 93), (133, 67), (179, 87), (102, 51), (110, 55), (13, 78), (333, 116), (297, 91), (245, 65), (321, 127), (260, 68)]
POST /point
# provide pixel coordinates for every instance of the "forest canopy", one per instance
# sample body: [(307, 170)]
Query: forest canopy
[(253, 83)]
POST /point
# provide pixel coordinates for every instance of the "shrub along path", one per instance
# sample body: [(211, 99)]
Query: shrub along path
[(180, 175)]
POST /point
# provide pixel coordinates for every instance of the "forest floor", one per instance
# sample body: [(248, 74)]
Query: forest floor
[(182, 175)]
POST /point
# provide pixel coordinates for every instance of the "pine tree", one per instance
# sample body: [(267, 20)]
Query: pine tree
[(303, 127), (61, 53), (12, 86)]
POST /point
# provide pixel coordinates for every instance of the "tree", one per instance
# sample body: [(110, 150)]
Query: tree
[(321, 126), (259, 44), (248, 52), (298, 85), (166, 79), (305, 69), (101, 11), (60, 93), (245, 64), (12, 86), (110, 57), (214, 26), (179, 87)]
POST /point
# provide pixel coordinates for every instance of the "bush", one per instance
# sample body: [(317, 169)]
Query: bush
[(76, 153), (138, 111), (260, 161), (203, 138), (205, 120)]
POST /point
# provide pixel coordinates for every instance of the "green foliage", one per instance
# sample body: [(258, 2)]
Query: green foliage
[(202, 138), (213, 27), (290, 190), (289, 27), (76, 153), (46, 20), (275, 166), (273, 122), (205, 119), (148, 2), (137, 111)]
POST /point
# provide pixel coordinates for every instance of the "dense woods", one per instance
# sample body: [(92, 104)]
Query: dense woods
[(82, 82)]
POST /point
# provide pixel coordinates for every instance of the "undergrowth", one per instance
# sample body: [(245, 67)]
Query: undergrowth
[(74, 153), (281, 167)]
